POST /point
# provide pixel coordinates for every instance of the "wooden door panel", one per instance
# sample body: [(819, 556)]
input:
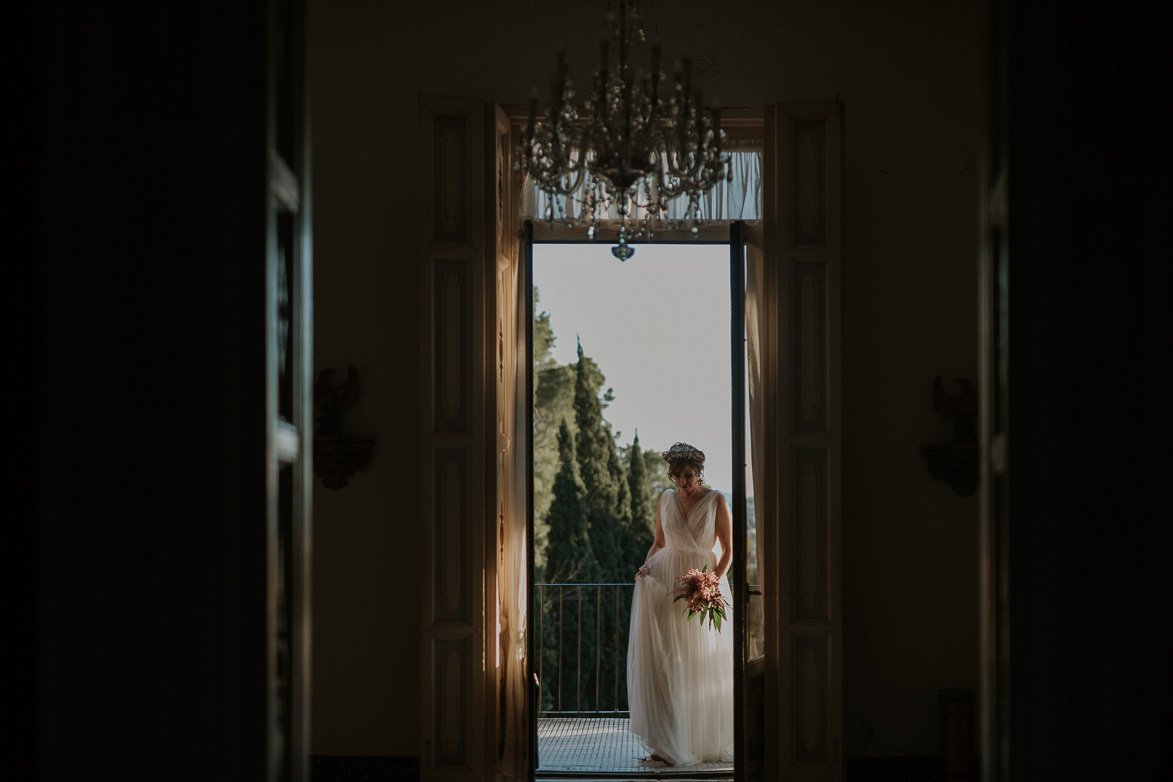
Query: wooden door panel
[(458, 440), (804, 209)]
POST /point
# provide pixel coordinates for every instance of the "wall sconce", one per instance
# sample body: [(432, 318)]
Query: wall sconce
[(337, 457), (956, 464)]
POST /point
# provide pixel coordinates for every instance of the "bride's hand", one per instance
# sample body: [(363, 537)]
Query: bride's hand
[(642, 572)]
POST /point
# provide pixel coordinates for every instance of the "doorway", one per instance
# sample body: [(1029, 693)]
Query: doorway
[(473, 299), (648, 352)]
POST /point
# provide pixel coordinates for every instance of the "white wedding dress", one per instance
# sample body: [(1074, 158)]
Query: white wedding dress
[(680, 673)]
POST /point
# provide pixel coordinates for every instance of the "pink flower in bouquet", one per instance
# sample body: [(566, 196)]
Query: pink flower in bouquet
[(702, 591)]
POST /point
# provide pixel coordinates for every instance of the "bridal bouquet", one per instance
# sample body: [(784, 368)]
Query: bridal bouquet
[(702, 590)]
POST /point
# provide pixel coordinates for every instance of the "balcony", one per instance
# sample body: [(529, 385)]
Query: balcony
[(583, 721)]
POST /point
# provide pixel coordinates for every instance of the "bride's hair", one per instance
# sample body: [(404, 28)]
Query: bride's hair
[(682, 455)]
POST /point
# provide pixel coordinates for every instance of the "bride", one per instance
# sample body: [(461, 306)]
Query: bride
[(680, 673)]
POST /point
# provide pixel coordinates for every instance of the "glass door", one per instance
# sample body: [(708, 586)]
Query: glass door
[(578, 696)]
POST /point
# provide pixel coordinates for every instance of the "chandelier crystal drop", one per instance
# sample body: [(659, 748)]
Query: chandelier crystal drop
[(637, 144)]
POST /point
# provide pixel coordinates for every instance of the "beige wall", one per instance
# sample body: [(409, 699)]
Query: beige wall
[(911, 75)]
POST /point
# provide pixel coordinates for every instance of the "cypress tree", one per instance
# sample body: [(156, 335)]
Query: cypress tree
[(570, 559), (620, 565), (619, 569), (592, 452), (658, 480), (643, 519), (568, 550)]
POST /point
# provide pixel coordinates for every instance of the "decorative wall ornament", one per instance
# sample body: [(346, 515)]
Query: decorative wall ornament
[(337, 457), (956, 464)]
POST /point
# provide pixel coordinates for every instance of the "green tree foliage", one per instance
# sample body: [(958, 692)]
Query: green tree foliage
[(643, 514), (621, 568), (594, 521), (553, 401), (654, 481), (658, 480), (543, 337), (568, 546), (545, 451), (569, 560), (593, 446)]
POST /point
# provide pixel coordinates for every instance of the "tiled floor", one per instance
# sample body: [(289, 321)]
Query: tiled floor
[(603, 748)]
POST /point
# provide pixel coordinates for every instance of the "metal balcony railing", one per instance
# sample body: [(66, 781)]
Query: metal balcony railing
[(582, 632)]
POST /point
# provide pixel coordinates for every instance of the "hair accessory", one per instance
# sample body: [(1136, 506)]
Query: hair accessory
[(685, 452)]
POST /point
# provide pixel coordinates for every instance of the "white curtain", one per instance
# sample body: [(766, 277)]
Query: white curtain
[(739, 199), (511, 564)]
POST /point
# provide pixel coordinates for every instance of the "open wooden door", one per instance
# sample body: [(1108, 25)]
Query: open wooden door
[(514, 426), (472, 489), (803, 208), (747, 335), (532, 682), (458, 441)]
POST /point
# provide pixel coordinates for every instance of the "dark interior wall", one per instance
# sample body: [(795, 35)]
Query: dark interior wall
[(135, 315), (911, 76), (1089, 630)]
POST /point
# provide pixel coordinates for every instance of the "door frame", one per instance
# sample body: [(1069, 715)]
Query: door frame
[(725, 235)]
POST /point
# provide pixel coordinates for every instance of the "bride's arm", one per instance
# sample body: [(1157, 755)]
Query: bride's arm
[(657, 544), (724, 536)]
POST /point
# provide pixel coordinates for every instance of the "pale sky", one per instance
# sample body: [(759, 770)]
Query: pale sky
[(658, 327)]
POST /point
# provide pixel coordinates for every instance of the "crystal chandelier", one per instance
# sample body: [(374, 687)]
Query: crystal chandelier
[(637, 145)]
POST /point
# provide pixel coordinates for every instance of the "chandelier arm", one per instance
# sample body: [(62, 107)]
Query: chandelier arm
[(559, 184), (626, 80), (701, 158), (564, 157), (572, 173), (666, 191), (655, 76), (677, 165), (561, 153)]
